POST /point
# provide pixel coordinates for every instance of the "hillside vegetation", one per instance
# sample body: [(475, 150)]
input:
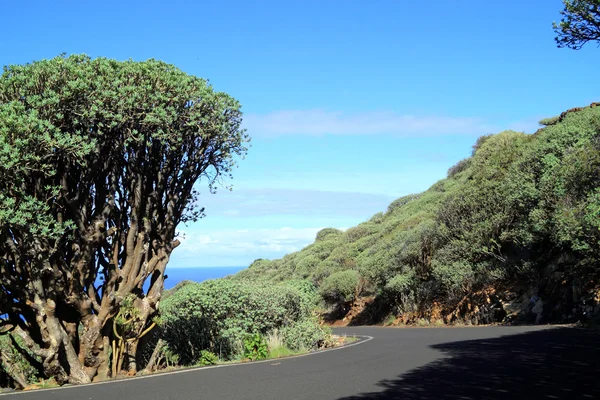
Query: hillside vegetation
[(513, 232)]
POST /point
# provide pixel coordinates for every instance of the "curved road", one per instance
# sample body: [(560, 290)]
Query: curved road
[(436, 363)]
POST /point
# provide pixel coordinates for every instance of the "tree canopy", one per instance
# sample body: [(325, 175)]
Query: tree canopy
[(99, 161), (579, 25)]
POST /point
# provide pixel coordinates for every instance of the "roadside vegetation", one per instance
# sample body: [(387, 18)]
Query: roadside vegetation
[(238, 320), (513, 232)]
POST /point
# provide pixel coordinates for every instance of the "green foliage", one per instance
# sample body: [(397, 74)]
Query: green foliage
[(305, 335), (401, 284), (208, 358), (255, 347), (282, 351), (168, 357), (402, 291), (401, 202), (580, 23), (217, 315), (340, 287), (459, 167), (305, 267), (549, 121), (327, 233), (456, 277)]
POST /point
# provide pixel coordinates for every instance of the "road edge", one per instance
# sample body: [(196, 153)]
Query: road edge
[(362, 339)]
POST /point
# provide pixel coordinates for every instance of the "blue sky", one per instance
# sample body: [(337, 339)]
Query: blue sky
[(350, 104)]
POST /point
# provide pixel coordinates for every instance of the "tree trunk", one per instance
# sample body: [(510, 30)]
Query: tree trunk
[(61, 352), (154, 357), (13, 370), (92, 346), (58, 335), (104, 367), (131, 353)]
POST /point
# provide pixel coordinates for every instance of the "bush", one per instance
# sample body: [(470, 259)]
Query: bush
[(327, 233), (217, 315), (306, 266), (255, 347), (459, 167), (360, 231), (208, 358), (401, 283), (340, 287), (321, 250), (305, 335), (400, 291), (396, 204), (455, 277), (549, 121)]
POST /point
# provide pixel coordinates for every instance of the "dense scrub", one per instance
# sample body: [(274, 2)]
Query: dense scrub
[(218, 315), (515, 228)]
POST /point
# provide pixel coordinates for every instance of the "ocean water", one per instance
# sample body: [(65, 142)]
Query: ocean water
[(198, 274)]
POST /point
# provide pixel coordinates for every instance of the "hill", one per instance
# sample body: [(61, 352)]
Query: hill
[(512, 233)]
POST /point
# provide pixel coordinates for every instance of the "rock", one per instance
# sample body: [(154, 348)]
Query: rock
[(538, 310)]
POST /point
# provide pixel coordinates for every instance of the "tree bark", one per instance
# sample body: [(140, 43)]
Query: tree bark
[(103, 370), (154, 357), (59, 338), (13, 370), (131, 354)]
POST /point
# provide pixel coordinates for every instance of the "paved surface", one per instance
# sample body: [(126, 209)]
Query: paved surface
[(438, 363)]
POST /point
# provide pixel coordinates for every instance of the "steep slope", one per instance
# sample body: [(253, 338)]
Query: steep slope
[(512, 232)]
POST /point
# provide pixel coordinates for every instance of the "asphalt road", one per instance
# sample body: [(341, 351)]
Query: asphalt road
[(437, 363)]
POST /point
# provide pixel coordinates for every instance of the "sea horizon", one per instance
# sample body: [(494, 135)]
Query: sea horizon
[(198, 274)]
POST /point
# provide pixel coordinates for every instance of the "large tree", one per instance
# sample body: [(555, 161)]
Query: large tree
[(99, 163), (580, 24)]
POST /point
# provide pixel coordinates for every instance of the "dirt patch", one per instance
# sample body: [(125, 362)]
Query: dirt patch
[(337, 318)]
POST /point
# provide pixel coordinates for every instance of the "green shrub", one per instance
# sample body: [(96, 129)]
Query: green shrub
[(454, 277), (327, 233), (217, 315), (401, 283), (208, 358), (360, 231), (306, 266), (340, 287), (321, 250), (377, 218), (401, 291), (255, 347), (459, 167), (549, 121), (396, 204), (305, 335)]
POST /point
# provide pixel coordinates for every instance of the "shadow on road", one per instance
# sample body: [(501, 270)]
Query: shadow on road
[(549, 364)]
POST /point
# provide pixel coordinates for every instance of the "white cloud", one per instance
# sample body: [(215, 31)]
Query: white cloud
[(263, 202), (219, 247), (321, 122)]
